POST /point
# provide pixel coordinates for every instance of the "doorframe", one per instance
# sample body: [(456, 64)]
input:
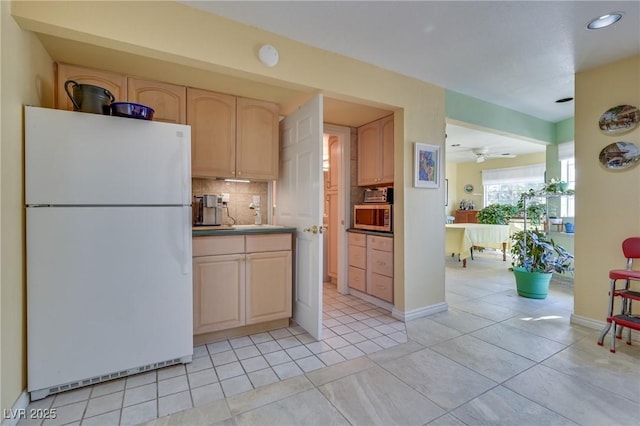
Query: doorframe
[(344, 200)]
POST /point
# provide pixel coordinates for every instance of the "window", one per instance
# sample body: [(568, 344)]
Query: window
[(568, 204), (568, 174), (504, 186)]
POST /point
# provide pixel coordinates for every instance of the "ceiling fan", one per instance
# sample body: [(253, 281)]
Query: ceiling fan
[(483, 153)]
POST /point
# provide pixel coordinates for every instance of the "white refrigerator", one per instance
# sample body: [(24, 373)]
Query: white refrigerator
[(108, 211)]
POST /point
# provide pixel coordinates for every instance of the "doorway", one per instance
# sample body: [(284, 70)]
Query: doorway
[(336, 215)]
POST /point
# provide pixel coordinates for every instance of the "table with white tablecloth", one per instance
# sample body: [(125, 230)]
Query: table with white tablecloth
[(460, 238)]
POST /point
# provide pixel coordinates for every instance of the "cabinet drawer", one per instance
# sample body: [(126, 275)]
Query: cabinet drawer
[(380, 243), (357, 279), (357, 239), (381, 287), (357, 256), (381, 262), (268, 242), (211, 246)]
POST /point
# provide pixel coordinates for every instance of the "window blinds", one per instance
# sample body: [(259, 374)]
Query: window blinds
[(566, 151), (525, 174)]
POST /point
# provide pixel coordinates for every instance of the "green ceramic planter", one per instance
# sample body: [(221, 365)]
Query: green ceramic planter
[(534, 285)]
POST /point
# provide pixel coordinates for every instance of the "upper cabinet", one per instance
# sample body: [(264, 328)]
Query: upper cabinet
[(257, 143), (232, 137), (334, 163), (168, 100), (212, 117), (375, 153), (114, 83)]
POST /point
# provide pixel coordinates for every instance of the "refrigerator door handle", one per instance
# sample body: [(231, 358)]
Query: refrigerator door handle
[(186, 240), (186, 168)]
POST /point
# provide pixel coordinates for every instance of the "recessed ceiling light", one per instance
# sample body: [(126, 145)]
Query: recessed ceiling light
[(563, 100), (604, 20)]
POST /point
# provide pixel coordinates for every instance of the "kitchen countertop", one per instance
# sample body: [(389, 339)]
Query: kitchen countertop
[(201, 231), (368, 232)]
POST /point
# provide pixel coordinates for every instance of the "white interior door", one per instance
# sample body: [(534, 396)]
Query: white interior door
[(300, 192)]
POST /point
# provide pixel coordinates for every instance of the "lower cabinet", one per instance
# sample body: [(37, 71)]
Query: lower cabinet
[(219, 292), (241, 280), (268, 285), (371, 265)]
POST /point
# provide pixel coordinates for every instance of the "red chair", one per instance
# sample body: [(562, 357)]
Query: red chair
[(631, 250)]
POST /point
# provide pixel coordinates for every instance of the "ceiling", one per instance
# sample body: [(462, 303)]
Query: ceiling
[(520, 55)]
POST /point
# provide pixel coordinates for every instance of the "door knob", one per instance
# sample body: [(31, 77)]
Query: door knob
[(315, 229)]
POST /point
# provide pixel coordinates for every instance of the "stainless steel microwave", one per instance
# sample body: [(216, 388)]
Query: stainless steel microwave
[(374, 217)]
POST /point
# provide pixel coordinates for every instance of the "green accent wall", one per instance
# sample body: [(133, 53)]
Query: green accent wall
[(475, 111), (565, 130)]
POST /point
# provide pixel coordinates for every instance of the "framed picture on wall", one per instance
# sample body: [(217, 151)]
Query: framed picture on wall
[(426, 166)]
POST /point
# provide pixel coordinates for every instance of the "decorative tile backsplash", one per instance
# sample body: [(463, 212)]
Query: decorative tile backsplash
[(240, 196)]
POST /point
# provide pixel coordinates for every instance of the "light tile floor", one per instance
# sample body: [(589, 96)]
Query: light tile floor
[(492, 358), (352, 328)]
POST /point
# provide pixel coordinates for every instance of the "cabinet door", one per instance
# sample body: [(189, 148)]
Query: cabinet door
[(334, 163), (368, 154), (269, 286), (257, 144), (168, 101), (218, 292), (380, 286), (212, 117), (386, 133), (333, 234), (357, 279), (115, 83)]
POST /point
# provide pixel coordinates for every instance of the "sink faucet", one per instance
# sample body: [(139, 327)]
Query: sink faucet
[(256, 213)]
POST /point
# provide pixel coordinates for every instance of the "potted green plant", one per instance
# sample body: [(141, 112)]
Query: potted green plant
[(497, 214), (535, 257), (557, 187)]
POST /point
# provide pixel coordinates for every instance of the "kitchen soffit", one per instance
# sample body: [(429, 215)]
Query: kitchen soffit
[(336, 111)]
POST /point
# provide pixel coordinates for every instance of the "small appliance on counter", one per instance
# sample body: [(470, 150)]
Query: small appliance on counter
[(208, 210), (376, 212), (378, 195)]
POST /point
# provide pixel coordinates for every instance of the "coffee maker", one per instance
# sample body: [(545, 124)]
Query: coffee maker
[(207, 210)]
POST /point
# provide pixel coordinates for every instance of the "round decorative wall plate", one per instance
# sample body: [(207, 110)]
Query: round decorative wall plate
[(468, 188), (619, 155), (619, 119)]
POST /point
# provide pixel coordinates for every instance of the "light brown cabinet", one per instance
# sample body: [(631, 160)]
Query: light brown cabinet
[(268, 286), (371, 265), (357, 261), (232, 137), (257, 142), (334, 163), (212, 117), (333, 227), (113, 82), (168, 101), (466, 216), (218, 283), (380, 267), (375, 153), (332, 204), (241, 280)]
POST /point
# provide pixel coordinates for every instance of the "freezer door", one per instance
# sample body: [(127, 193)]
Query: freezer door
[(108, 289), (75, 158)]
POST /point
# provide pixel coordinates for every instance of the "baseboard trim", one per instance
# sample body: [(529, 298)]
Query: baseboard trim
[(18, 411), (371, 299), (586, 322), (420, 312), (597, 325)]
